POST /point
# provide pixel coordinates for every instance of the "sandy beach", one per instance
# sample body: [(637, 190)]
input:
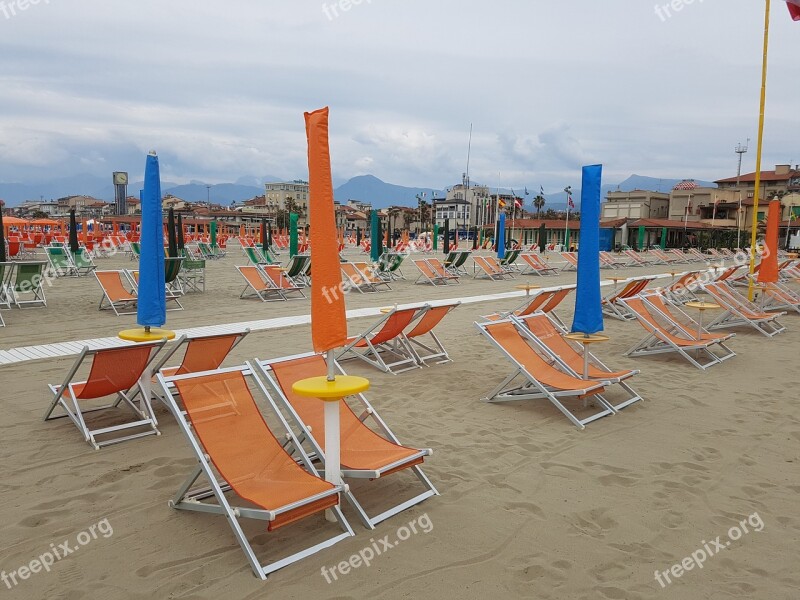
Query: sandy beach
[(530, 507)]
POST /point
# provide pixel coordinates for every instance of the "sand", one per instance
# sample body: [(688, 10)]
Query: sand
[(530, 507)]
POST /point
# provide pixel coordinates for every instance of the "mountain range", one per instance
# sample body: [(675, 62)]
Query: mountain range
[(364, 188)]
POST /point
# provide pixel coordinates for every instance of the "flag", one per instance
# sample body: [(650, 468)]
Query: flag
[(526, 190), (794, 9), (501, 203), (570, 203), (541, 190), (517, 203)]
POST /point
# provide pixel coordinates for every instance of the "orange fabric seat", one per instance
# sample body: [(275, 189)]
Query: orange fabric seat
[(244, 450)]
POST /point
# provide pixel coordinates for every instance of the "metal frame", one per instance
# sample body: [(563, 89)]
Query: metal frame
[(733, 316), (271, 288), (368, 411), (121, 304), (187, 498), (633, 395), (533, 389), (73, 411), (655, 342), (39, 298), (397, 346), (431, 353), (60, 251)]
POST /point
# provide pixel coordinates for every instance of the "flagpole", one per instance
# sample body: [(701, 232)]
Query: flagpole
[(739, 224), (759, 151), (567, 189), (497, 210)]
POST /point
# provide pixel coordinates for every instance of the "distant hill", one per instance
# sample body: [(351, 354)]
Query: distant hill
[(367, 188)]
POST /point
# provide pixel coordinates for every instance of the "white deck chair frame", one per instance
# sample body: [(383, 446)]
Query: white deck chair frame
[(732, 315), (187, 498), (533, 389), (633, 395), (402, 352), (368, 411), (64, 396), (657, 343)]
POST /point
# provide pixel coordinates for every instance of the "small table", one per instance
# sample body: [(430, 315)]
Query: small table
[(528, 287), (585, 339), (702, 307)]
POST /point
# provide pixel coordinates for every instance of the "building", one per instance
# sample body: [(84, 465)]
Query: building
[(292, 196), (638, 204), (471, 201), (783, 180)]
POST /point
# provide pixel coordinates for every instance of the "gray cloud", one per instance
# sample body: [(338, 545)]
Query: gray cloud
[(219, 88)]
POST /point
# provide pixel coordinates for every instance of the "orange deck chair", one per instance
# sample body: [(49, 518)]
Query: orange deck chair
[(535, 265), (541, 379), (432, 351), (259, 285), (366, 453), (664, 335), (612, 305), (239, 455), (384, 341), (114, 372), (569, 355), (431, 275), (737, 311), (486, 267), (119, 292)]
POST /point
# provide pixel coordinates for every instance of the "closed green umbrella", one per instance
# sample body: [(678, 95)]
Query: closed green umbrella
[(264, 240), (663, 238), (542, 237), (3, 256), (446, 236), (293, 217), (642, 235), (172, 240), (73, 232), (358, 236), (375, 237), (436, 237), (213, 234), (181, 243)]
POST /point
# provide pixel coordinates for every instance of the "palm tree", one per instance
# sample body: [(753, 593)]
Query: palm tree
[(539, 203)]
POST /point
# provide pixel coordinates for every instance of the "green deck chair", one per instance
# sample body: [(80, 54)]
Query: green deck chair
[(60, 261), (27, 287), (83, 262)]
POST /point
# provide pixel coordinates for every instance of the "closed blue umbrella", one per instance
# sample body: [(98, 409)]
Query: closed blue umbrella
[(152, 304), (501, 236), (588, 309)]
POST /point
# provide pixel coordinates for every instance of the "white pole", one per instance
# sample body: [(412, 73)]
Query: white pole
[(739, 223), (332, 437)]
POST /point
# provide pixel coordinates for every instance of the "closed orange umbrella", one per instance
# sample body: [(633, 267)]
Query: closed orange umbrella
[(768, 271), (328, 322)]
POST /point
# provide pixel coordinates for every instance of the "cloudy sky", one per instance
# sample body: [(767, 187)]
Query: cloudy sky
[(219, 88)]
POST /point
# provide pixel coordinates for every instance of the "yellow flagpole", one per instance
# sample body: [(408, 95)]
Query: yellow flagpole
[(759, 151)]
